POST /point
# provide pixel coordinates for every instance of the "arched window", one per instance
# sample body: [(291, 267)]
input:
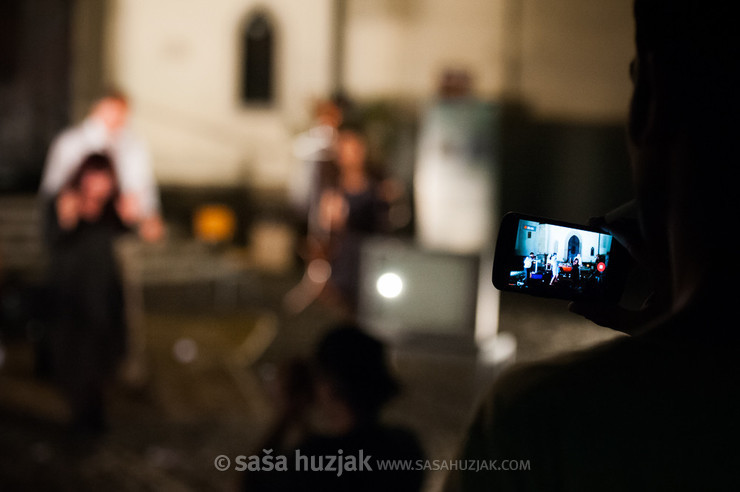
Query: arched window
[(574, 247), (258, 52)]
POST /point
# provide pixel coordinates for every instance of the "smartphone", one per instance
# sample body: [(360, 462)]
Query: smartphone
[(552, 258)]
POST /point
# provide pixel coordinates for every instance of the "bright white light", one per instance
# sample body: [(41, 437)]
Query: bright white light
[(389, 285), (185, 350)]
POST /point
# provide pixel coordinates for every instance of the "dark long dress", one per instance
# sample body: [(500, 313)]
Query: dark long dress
[(365, 218), (89, 338)]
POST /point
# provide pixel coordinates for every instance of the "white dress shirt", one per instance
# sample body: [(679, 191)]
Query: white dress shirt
[(130, 156)]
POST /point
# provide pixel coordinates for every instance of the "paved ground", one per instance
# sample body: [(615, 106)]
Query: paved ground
[(206, 395)]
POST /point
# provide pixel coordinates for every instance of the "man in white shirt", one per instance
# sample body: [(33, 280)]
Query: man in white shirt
[(530, 266), (105, 130)]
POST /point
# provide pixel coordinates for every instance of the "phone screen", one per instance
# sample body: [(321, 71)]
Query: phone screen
[(551, 258)]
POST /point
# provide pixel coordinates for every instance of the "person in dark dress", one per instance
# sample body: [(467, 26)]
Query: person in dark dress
[(88, 339), (355, 208), (575, 273)]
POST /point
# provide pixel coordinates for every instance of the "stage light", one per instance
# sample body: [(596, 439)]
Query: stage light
[(389, 285), (185, 350)]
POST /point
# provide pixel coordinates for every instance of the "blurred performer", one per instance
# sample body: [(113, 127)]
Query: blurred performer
[(355, 208), (455, 181), (315, 149), (332, 405), (105, 130), (89, 338)]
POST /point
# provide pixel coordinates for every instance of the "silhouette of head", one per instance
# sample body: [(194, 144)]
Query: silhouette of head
[(354, 363), (684, 117)]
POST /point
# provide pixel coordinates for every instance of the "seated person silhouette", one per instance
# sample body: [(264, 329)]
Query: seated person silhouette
[(332, 407)]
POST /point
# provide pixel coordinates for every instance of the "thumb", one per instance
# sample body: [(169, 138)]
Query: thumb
[(609, 315)]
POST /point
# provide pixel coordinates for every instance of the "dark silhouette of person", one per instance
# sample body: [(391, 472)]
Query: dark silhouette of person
[(575, 273), (656, 409), (88, 339), (332, 406)]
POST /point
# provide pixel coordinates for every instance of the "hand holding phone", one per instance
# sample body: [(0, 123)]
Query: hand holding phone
[(622, 223)]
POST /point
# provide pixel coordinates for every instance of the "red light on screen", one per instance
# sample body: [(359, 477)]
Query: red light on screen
[(601, 266)]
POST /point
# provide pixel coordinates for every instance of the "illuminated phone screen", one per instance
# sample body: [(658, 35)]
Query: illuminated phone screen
[(552, 259)]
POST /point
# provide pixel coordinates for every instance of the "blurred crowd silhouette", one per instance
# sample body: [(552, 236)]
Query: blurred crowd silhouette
[(331, 405)]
